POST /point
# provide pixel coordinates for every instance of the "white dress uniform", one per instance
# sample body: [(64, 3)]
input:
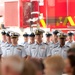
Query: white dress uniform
[(15, 50), (62, 51)]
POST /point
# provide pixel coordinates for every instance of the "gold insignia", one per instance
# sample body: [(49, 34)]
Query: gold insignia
[(13, 34), (47, 33), (61, 36), (34, 48)]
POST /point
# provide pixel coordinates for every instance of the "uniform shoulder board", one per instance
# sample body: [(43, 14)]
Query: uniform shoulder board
[(21, 45), (46, 43), (68, 46), (8, 46), (55, 46)]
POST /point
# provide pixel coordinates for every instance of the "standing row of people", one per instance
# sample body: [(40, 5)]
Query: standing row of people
[(56, 44), (36, 57)]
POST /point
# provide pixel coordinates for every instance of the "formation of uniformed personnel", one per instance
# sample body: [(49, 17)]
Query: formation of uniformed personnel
[(2, 43), (31, 38), (70, 38), (7, 43), (48, 37), (25, 43), (35, 47), (38, 49), (62, 48), (8, 38), (54, 43), (31, 42), (3, 38), (25, 35), (14, 48)]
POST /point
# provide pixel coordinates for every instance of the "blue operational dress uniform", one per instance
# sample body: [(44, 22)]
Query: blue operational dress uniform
[(62, 51), (25, 43), (53, 45), (25, 35), (32, 35), (70, 34), (2, 43), (38, 50), (6, 44), (48, 35), (15, 50)]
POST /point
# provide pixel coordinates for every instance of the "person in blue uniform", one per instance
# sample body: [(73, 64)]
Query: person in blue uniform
[(70, 37), (48, 37), (39, 49)]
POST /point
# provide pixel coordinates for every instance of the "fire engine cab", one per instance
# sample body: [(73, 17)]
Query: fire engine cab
[(53, 14)]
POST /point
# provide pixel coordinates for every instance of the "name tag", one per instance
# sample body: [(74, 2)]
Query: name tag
[(34, 48)]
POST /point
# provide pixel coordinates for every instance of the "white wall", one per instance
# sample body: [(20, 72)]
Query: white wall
[(2, 1)]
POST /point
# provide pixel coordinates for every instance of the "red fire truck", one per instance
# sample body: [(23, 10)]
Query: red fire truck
[(53, 14)]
